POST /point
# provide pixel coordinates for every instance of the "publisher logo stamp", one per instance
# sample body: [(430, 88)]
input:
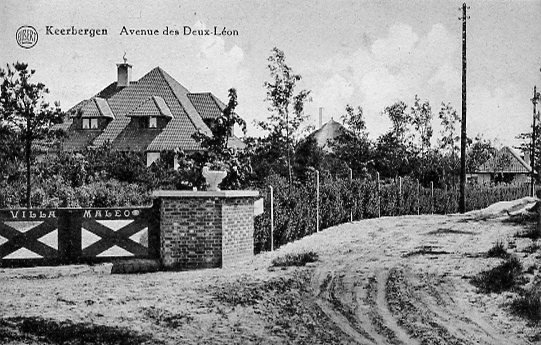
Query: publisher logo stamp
[(27, 36)]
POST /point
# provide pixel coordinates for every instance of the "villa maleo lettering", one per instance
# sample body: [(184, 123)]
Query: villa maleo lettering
[(110, 213), (32, 214), (73, 31)]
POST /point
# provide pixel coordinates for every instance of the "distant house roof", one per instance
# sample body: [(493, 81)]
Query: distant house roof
[(156, 94), (327, 133), (505, 160)]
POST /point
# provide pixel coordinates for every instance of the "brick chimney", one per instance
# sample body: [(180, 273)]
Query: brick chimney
[(124, 73)]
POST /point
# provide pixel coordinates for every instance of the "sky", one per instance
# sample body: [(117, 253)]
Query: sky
[(363, 53)]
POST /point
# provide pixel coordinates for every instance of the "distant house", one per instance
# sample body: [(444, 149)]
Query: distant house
[(151, 115), (327, 133), (505, 166)]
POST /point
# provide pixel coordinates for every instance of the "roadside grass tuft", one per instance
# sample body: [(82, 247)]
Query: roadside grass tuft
[(498, 251), (300, 259), (527, 305), (532, 233), (500, 278)]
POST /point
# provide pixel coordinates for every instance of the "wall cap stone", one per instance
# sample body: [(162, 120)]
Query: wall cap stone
[(205, 194)]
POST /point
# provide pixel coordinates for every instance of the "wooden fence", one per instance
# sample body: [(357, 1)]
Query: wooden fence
[(30, 237)]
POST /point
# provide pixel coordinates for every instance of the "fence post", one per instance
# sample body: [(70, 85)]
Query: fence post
[(351, 188), (446, 199), (432, 196), (418, 197), (271, 217), (400, 195), (317, 200), (379, 197)]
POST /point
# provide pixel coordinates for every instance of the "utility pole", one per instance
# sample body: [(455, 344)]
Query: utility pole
[(534, 100), (463, 138)]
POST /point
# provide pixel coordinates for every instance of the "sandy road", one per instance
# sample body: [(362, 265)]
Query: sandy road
[(404, 281), (400, 280)]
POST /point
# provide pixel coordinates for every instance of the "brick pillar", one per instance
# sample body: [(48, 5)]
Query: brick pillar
[(205, 229)]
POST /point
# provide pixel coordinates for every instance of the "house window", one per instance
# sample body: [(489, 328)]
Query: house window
[(86, 123), (94, 123), (152, 122)]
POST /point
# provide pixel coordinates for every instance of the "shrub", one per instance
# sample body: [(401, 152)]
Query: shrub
[(532, 248), (300, 259), (528, 305), (497, 251), (502, 277)]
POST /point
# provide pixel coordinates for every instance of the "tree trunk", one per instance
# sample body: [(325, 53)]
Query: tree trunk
[(288, 153)]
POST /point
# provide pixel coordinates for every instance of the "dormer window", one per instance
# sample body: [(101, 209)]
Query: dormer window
[(90, 123), (153, 122), (92, 111), (153, 113)]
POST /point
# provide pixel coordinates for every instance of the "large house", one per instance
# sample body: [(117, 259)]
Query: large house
[(151, 115)]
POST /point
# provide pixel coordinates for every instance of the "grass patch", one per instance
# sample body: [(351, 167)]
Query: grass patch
[(532, 233), (497, 251), (166, 318), (300, 259), (30, 330), (246, 291), (425, 250), (502, 277), (527, 305), (443, 231)]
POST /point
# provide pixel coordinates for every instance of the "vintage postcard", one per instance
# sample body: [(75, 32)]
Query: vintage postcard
[(270, 172)]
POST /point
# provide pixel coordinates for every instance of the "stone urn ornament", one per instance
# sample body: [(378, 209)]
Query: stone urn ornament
[(213, 177)]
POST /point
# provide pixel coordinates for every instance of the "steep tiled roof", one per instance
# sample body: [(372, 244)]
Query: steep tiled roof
[(112, 90), (328, 132), (155, 94), (506, 160), (79, 139), (134, 138), (154, 106), (176, 133), (207, 105)]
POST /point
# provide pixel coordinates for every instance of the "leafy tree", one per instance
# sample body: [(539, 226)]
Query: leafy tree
[(400, 120), (421, 117), (353, 119), (392, 157), (218, 153), (448, 143), (478, 152), (24, 109), (393, 153), (353, 147), (286, 106)]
